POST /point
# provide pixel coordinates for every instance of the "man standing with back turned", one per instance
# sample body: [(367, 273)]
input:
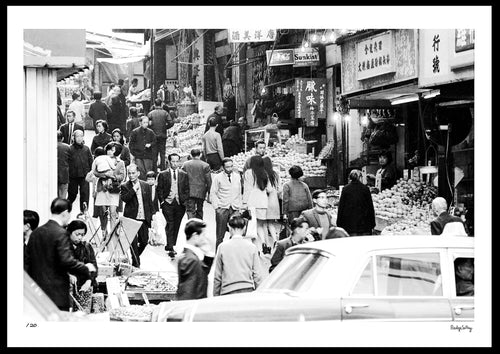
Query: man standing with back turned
[(200, 181)]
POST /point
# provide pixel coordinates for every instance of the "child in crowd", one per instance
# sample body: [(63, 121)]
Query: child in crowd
[(103, 164)]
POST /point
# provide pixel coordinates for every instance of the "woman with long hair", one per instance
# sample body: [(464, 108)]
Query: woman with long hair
[(273, 205), (109, 198), (256, 186)]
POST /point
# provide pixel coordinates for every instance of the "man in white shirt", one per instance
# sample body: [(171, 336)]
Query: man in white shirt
[(225, 195), (77, 107)]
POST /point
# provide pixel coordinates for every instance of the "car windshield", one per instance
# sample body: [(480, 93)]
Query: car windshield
[(301, 272)]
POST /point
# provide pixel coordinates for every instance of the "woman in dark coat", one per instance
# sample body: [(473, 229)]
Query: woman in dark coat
[(82, 251), (102, 138), (117, 137), (231, 140), (356, 214)]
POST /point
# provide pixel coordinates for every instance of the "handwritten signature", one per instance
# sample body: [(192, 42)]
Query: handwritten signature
[(461, 328)]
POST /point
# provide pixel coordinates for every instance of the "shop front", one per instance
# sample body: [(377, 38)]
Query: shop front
[(381, 104), (446, 60)]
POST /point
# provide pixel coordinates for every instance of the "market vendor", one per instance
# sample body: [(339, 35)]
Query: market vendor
[(385, 177), (82, 251)]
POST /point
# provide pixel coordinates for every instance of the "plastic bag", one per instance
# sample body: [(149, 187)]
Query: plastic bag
[(157, 236), (252, 224)]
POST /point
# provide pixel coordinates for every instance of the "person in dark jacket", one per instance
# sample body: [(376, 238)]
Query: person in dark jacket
[(102, 138), (193, 265), (133, 122), (83, 251), (31, 221), (141, 145), (99, 110), (63, 150), (136, 195), (118, 106), (80, 163), (50, 257), (356, 214), (200, 181), (231, 140), (151, 180), (67, 129), (299, 228), (159, 121), (386, 175), (218, 120), (440, 209)]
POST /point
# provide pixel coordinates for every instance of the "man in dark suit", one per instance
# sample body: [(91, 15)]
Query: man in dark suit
[(142, 141), (151, 180), (68, 128), (440, 209), (63, 156), (173, 191), (356, 214), (319, 220), (200, 182), (50, 257), (193, 266), (136, 195), (299, 228)]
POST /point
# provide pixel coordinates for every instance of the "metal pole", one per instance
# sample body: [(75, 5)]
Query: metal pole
[(152, 84)]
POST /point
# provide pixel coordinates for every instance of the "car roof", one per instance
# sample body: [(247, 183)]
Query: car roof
[(363, 244)]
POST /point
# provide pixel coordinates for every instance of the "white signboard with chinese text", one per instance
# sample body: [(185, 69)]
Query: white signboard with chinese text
[(375, 56), (310, 100), (245, 35), (439, 60)]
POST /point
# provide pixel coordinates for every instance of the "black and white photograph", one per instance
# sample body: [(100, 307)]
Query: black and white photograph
[(260, 170)]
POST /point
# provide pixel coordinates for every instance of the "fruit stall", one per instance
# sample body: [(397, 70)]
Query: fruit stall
[(405, 209), (146, 286), (285, 156), (189, 131)]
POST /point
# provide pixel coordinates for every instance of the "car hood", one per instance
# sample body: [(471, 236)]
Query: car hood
[(259, 306)]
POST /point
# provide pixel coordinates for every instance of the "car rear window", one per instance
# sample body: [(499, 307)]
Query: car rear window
[(300, 272)]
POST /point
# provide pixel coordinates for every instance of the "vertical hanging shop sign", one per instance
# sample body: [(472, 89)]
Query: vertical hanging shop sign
[(375, 56), (310, 100), (245, 35), (464, 39)]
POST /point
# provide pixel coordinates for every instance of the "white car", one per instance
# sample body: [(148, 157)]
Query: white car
[(378, 278)]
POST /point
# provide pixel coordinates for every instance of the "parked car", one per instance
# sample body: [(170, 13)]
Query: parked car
[(382, 278)]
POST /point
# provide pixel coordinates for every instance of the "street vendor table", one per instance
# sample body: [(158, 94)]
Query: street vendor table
[(152, 296), (151, 286)]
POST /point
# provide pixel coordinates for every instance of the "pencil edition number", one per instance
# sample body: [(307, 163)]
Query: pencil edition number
[(29, 324)]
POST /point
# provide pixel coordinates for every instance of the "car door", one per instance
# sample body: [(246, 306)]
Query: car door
[(399, 285), (461, 273)]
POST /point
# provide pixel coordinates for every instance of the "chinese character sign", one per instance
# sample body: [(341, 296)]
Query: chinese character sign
[(375, 56), (251, 35), (464, 39), (310, 100)]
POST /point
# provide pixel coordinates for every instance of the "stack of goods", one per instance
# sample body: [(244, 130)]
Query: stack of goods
[(84, 299), (150, 282), (405, 207), (98, 303), (285, 158), (132, 313), (327, 151), (187, 140)]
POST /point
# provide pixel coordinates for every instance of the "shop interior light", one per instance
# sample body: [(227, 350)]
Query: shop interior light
[(347, 118), (323, 37), (336, 116), (306, 44), (431, 93), (314, 38), (302, 49), (364, 120), (404, 99)]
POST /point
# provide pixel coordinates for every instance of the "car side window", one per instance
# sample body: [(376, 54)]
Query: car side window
[(464, 276), (364, 285), (412, 274)]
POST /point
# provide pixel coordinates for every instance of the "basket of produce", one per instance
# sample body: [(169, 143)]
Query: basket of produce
[(132, 313), (149, 282)]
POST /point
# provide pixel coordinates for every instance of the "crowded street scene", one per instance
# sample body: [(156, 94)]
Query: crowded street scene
[(247, 174)]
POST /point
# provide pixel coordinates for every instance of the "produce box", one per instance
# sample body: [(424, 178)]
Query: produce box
[(301, 148), (103, 272)]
